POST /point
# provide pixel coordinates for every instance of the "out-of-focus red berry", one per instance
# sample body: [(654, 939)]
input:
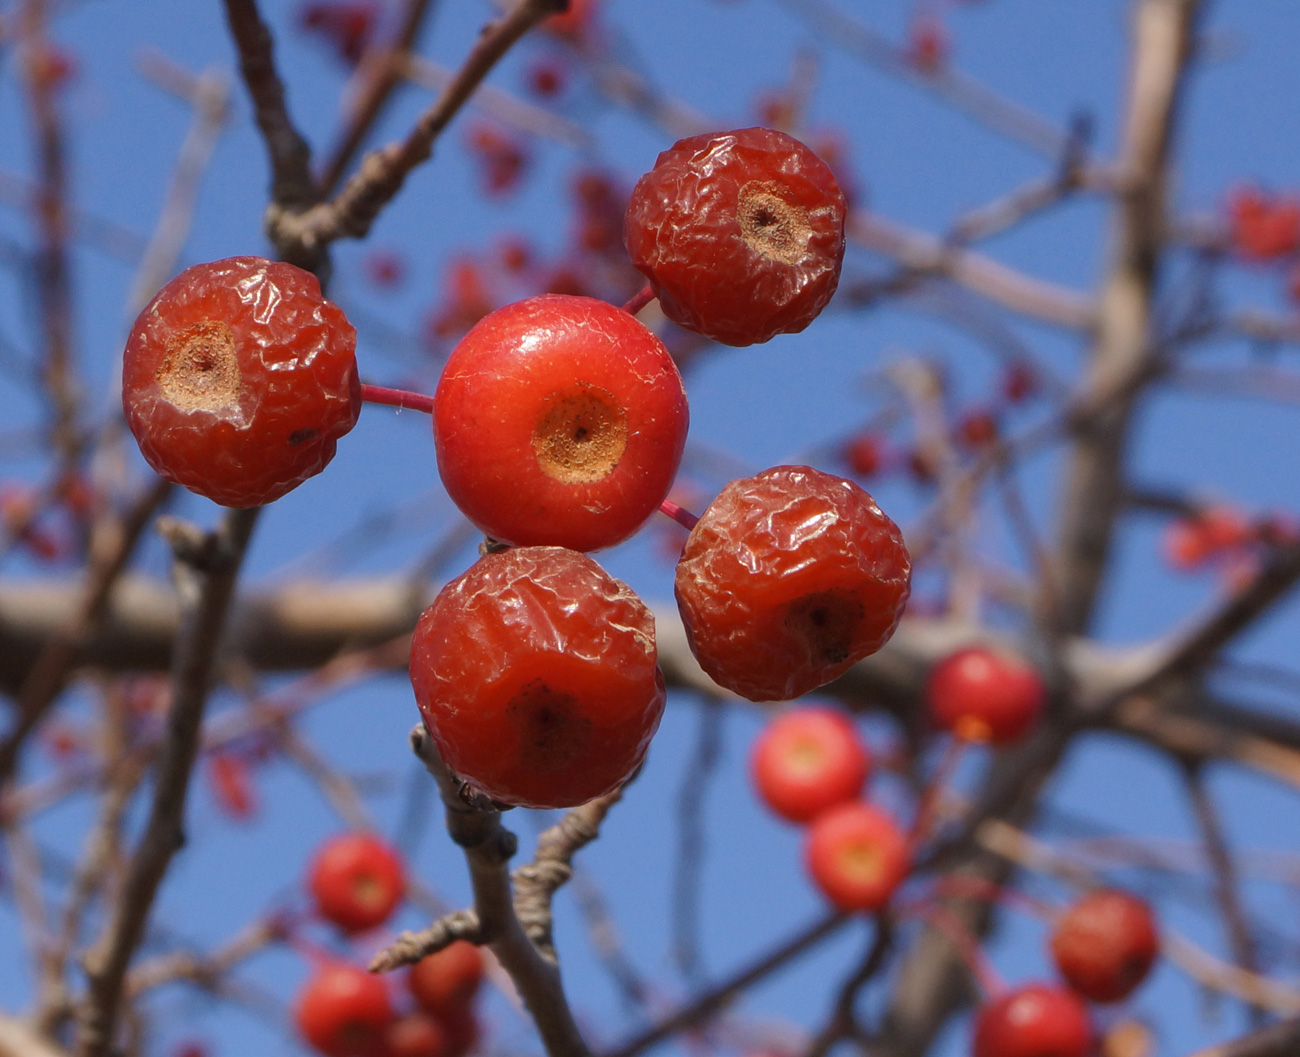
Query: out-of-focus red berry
[(446, 981), (857, 856), (344, 1011), (1036, 1020), (1105, 944), (1263, 226), (416, 1035), (461, 1030), (502, 159), (985, 695), (537, 677), (928, 44), (548, 79), (384, 268), (789, 579), (978, 429), (346, 25), (239, 378), (516, 255), (808, 760), (559, 421), (1212, 533), (231, 780), (741, 234), (1019, 382), (576, 23), (865, 454), (357, 880), (467, 300)]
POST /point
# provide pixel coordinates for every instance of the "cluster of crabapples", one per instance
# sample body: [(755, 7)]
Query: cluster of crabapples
[(356, 881), (810, 766), (559, 423)]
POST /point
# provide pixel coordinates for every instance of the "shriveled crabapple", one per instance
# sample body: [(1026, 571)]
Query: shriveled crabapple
[(344, 1011), (1105, 944), (807, 760), (791, 577), (741, 234), (357, 880), (857, 856), (1033, 1020), (238, 379), (560, 421), (537, 677)]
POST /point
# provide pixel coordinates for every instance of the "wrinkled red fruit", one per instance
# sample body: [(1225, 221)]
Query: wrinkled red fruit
[(789, 579), (239, 378), (985, 695), (1105, 945), (536, 675), (446, 981), (857, 856), (741, 234), (344, 1011), (1036, 1020), (357, 880), (808, 760), (559, 421)]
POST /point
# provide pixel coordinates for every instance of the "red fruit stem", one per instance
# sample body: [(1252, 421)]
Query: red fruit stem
[(934, 788), (403, 398), (990, 892), (639, 300), (680, 514), (943, 919)]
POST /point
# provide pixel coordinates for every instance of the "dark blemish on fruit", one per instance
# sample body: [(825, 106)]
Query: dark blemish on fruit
[(301, 436), (552, 735)]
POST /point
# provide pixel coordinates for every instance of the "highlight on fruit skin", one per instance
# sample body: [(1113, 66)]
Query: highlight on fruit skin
[(559, 421), (790, 578), (740, 233), (537, 677), (239, 378)]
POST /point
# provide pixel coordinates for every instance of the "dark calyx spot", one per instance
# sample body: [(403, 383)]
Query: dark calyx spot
[(200, 371), (771, 226), (552, 735), (302, 436), (828, 623), (580, 435)]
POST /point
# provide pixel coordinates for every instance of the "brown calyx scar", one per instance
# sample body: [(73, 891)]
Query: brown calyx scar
[(771, 226), (200, 371), (581, 434)]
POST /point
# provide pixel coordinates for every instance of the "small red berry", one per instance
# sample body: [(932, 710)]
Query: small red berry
[(559, 421), (1036, 1020), (239, 378), (415, 1035), (865, 454), (1263, 226), (857, 856), (446, 981), (346, 25), (537, 676), (1019, 382), (344, 1011), (231, 779), (741, 234), (575, 23), (978, 429), (502, 159), (985, 695), (789, 579), (808, 760), (357, 881), (928, 46), (1105, 945)]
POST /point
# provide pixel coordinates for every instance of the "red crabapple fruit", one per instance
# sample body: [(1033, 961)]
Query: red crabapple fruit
[(344, 1011), (808, 760), (1035, 1020), (239, 378), (537, 676), (447, 980), (415, 1035), (985, 695), (741, 234), (790, 578), (857, 856), (357, 880), (559, 421), (1105, 944)]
